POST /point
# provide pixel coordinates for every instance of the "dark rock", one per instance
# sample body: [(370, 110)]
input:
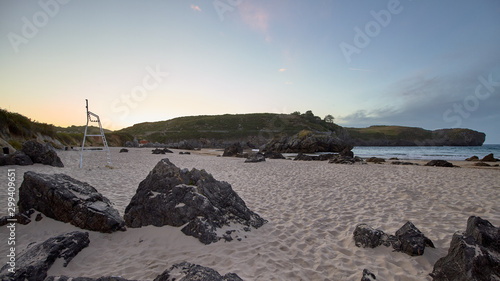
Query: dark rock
[(273, 155), (393, 158), (411, 240), (339, 159), (375, 160), (347, 152), (42, 153), (365, 236), (36, 260), (255, 157), (473, 158), (320, 157), (439, 163), (5, 150), (192, 272), (482, 164), (158, 151), (403, 163), (473, 255), (20, 218), (489, 158), (171, 196), (18, 158), (123, 150), (408, 239), (233, 150), (368, 275), (68, 200), (38, 217), (185, 153)]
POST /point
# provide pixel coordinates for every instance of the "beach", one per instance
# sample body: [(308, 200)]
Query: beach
[(312, 208)]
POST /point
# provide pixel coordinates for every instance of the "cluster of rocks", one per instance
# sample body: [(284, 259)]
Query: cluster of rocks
[(408, 239), (482, 162), (473, 255), (307, 143), (192, 199), (161, 151), (375, 160), (34, 263), (255, 158), (33, 152), (168, 196)]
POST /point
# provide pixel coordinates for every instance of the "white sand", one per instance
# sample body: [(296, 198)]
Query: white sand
[(312, 208)]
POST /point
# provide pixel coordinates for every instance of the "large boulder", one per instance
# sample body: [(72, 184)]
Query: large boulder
[(36, 260), (171, 196), (68, 200), (233, 150), (274, 155), (192, 272), (473, 255), (42, 153), (408, 239), (489, 158)]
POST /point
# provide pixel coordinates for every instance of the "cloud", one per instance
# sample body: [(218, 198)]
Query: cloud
[(195, 8), (288, 83), (282, 69), (255, 17)]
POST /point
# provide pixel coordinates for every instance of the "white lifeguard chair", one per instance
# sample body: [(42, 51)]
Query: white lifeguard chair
[(104, 142)]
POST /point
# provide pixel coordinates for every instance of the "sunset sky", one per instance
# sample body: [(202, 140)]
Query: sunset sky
[(430, 64)]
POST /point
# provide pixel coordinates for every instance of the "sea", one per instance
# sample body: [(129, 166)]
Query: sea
[(427, 152)]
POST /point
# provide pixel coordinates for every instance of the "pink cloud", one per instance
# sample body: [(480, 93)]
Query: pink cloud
[(255, 17), (196, 8)]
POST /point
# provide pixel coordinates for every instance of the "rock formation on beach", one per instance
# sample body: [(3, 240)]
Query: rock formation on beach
[(408, 239), (66, 199), (440, 163), (473, 255), (33, 152), (308, 142), (36, 260), (171, 196)]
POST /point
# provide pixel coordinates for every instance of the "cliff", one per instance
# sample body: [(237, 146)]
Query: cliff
[(411, 136)]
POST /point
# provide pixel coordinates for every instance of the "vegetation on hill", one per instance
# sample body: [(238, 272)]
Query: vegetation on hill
[(16, 129), (411, 136), (230, 127)]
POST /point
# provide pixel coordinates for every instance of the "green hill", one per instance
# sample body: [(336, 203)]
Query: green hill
[(230, 127), (412, 136)]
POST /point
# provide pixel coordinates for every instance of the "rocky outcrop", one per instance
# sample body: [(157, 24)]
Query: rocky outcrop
[(192, 272), (161, 151), (123, 150), (320, 157), (473, 158), (408, 239), (171, 196), (342, 159), (233, 150), (68, 200), (308, 143), (255, 158), (42, 153), (411, 136), (473, 255), (440, 163), (36, 260), (489, 158)]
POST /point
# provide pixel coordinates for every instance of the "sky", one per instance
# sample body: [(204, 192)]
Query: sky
[(429, 64)]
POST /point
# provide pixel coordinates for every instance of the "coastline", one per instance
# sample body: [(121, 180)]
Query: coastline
[(312, 208)]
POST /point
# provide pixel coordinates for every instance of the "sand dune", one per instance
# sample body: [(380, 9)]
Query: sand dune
[(312, 208)]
